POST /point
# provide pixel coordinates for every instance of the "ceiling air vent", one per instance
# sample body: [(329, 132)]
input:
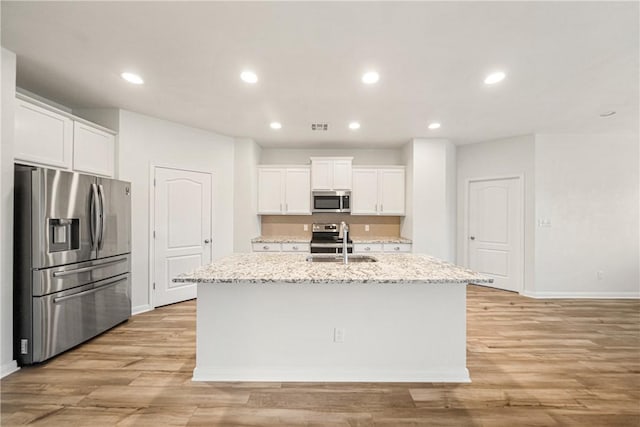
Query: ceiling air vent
[(319, 126)]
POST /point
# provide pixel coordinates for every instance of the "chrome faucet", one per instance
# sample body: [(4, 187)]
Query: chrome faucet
[(344, 231)]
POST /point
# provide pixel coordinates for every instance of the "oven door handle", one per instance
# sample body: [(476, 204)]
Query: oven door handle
[(89, 291)]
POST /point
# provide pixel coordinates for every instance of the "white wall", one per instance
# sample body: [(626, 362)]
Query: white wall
[(431, 201), (285, 156), (505, 157), (7, 95), (246, 225), (145, 141), (587, 186)]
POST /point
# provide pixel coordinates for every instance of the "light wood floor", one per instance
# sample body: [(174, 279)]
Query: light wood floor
[(532, 362)]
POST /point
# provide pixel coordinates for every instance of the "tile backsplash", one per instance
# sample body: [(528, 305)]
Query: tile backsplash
[(293, 225)]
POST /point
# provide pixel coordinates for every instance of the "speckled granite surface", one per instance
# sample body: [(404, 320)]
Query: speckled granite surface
[(293, 268), (380, 239), (281, 239)]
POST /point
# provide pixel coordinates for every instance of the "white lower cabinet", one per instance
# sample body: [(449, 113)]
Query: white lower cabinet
[(363, 248), (296, 247), (266, 247), (396, 247), (281, 247), (368, 248)]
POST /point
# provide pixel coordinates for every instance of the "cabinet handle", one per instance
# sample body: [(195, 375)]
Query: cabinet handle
[(367, 248), (397, 248), (265, 247), (295, 248)]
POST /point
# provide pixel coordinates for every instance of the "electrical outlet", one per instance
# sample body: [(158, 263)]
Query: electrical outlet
[(339, 334), (600, 274), (306, 227), (366, 227), (24, 346)]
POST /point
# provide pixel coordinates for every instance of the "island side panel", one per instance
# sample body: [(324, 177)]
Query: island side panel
[(286, 332)]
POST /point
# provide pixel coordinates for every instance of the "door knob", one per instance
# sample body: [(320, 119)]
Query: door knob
[(472, 237), (207, 241)]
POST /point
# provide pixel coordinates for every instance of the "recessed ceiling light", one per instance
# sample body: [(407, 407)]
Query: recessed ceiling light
[(275, 125), (249, 76), (132, 78), (370, 77), (494, 78), (354, 125), (434, 125), (608, 114)]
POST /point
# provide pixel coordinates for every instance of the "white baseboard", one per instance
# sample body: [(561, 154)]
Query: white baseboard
[(581, 295), (330, 375), (141, 309), (8, 368)]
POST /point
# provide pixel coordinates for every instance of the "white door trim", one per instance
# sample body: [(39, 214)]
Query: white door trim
[(521, 201), (152, 216)]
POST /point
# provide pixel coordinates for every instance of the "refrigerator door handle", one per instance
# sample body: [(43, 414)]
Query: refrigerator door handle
[(93, 216), (85, 269), (89, 291), (102, 219)]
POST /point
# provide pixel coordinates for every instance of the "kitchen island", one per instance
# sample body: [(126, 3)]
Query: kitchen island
[(278, 317)]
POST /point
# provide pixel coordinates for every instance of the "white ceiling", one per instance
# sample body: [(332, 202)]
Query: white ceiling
[(566, 62)]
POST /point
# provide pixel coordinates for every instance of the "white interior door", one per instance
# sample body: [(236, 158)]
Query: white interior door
[(182, 231), (495, 231)]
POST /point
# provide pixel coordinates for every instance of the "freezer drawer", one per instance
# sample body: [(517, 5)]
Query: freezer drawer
[(57, 279), (66, 319)]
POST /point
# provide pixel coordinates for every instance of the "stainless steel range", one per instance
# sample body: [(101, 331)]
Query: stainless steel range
[(327, 239)]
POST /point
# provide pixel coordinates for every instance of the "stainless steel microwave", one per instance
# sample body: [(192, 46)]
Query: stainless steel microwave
[(331, 201)]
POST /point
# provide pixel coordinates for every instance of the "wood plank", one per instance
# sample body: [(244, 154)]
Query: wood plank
[(532, 363)]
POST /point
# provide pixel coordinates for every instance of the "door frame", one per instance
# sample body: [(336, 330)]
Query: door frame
[(521, 223), (152, 216)]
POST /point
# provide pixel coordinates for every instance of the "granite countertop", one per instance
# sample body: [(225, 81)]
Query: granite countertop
[(357, 239), (293, 268), (281, 239)]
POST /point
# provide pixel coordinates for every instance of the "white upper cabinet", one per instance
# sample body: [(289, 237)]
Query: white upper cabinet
[(47, 136), (93, 150), (321, 174), (297, 191), (284, 190), (342, 174), (391, 191), (42, 136), (364, 196), (331, 173), (378, 191), (270, 191)]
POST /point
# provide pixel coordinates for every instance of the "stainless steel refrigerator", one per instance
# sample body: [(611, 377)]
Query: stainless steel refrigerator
[(72, 261)]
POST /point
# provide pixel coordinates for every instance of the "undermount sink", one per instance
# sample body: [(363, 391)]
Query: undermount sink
[(340, 258)]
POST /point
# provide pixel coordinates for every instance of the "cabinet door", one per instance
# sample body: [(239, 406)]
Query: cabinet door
[(322, 175), (270, 191), (342, 175), (93, 150), (391, 191), (298, 191), (42, 136), (266, 247), (364, 197)]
